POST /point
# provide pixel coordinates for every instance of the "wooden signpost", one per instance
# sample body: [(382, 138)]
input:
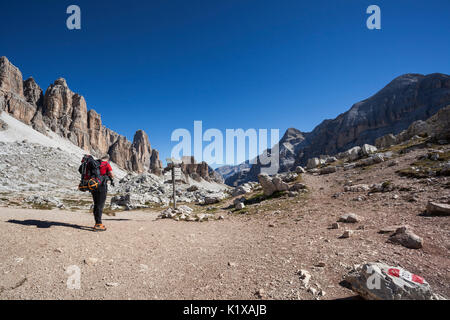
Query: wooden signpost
[(175, 167)]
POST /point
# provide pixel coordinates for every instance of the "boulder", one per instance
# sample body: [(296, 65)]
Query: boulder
[(386, 186), (305, 277), (313, 163), (328, 170), (279, 184), (239, 205), (439, 209), (406, 238), (241, 190), (330, 159), (289, 176), (368, 149), (335, 226), (388, 229), (349, 218), (373, 159), (238, 200), (349, 166), (299, 170), (379, 281), (351, 154), (268, 184), (129, 201), (385, 141), (212, 199), (347, 234), (357, 188)]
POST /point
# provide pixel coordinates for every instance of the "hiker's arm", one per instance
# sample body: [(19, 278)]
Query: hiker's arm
[(111, 175)]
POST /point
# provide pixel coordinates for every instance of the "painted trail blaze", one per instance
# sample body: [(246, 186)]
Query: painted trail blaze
[(405, 275)]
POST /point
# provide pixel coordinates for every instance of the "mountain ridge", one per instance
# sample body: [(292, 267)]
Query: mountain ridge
[(405, 99)]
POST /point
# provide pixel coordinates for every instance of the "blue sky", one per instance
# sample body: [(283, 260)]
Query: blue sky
[(160, 65)]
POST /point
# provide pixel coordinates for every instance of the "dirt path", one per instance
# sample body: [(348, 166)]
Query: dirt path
[(140, 257), (146, 258)]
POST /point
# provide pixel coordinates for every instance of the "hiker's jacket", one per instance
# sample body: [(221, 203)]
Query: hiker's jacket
[(105, 168)]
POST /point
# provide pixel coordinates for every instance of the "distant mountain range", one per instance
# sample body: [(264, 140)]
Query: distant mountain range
[(404, 100)]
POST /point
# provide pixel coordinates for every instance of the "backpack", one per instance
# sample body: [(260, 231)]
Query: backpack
[(90, 174)]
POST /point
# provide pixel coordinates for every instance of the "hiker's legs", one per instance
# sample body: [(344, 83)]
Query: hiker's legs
[(95, 197), (99, 203)]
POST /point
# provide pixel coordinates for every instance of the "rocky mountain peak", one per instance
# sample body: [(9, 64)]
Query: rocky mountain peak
[(10, 77), (292, 136), (60, 82), (66, 113), (292, 132), (32, 92), (143, 151)]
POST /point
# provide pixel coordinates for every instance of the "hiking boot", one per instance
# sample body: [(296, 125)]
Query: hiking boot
[(99, 227)]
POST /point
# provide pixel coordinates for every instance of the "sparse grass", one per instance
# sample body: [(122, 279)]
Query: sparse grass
[(42, 206), (259, 197), (77, 202), (386, 184), (403, 148), (339, 162), (423, 167), (299, 178), (241, 211), (109, 212), (155, 206), (369, 167)]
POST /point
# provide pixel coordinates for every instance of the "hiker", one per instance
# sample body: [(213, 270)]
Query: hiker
[(95, 180)]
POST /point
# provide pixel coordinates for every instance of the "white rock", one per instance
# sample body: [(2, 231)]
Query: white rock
[(305, 277), (112, 284), (313, 163), (240, 205), (440, 209), (368, 149), (379, 281)]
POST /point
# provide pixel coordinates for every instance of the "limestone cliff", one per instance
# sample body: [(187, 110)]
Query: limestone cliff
[(65, 112)]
